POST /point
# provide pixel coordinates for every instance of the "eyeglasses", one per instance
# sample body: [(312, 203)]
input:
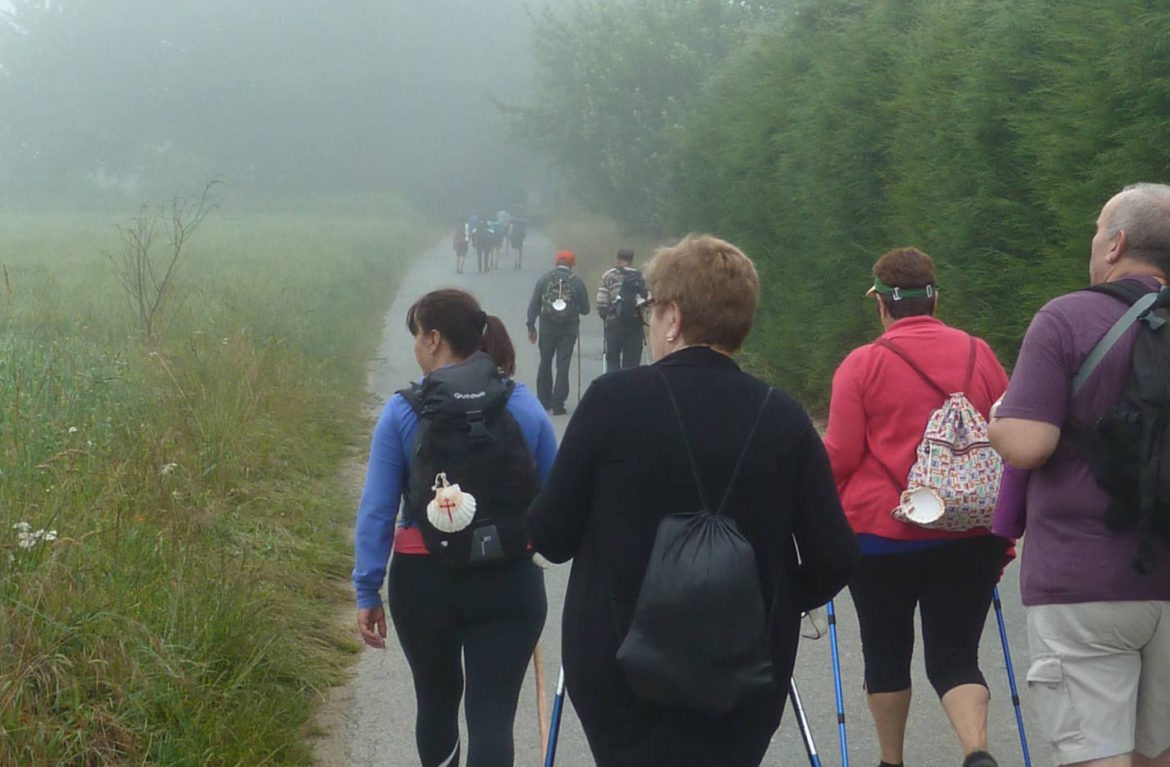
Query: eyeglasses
[(643, 307)]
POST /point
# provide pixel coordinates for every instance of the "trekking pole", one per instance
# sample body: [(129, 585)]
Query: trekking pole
[(550, 754), (1007, 659), (802, 721), (578, 367), (837, 683), (541, 703)]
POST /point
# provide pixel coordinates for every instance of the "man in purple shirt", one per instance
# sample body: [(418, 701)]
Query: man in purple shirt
[(1098, 631)]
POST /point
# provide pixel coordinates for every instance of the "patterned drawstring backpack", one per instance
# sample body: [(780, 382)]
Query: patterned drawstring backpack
[(954, 481)]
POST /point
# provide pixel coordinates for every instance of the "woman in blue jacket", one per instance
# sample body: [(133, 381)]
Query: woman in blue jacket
[(480, 623)]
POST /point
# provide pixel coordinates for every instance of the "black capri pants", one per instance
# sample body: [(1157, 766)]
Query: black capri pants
[(951, 584), (481, 624)]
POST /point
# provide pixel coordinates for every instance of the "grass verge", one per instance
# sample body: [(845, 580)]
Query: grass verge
[(171, 515)]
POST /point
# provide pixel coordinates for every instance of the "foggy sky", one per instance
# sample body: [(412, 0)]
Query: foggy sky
[(280, 97)]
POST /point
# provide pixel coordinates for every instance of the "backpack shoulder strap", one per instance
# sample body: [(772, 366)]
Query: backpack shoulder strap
[(691, 454), (1140, 302), (413, 396), (886, 344), (970, 365)]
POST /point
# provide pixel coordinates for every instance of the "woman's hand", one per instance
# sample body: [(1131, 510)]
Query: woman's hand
[(372, 625)]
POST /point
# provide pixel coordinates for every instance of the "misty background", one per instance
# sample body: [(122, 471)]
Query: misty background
[(129, 100)]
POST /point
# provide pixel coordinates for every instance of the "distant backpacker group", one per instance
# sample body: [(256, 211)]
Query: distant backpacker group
[(489, 237)]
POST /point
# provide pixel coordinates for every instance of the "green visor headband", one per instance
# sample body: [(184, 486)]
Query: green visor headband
[(899, 293)]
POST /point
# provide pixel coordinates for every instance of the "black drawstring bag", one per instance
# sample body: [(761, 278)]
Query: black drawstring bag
[(699, 637)]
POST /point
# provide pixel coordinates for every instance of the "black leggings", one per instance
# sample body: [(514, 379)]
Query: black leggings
[(951, 584), (493, 617)]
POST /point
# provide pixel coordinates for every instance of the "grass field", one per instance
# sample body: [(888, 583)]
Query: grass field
[(172, 522)]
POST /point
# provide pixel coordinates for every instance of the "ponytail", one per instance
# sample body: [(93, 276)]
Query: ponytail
[(498, 345)]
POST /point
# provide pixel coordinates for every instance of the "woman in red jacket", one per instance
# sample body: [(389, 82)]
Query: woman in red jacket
[(879, 409)]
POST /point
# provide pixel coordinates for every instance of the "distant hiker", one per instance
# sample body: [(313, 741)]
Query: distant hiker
[(466, 599), (884, 397), (504, 218), (517, 231), (499, 235), (559, 300), (1098, 627), (619, 304), (460, 242), (621, 476), (481, 240)]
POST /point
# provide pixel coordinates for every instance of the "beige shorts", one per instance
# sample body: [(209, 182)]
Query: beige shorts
[(1100, 678)]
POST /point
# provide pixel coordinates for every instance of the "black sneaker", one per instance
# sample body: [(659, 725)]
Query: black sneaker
[(559, 410), (980, 759)]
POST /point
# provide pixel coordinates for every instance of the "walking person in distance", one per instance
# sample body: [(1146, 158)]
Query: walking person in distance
[(463, 454), (559, 300), (619, 305)]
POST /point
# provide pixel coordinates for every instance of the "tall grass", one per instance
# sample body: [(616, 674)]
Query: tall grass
[(183, 613)]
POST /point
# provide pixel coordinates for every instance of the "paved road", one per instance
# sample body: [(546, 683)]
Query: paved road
[(372, 718)]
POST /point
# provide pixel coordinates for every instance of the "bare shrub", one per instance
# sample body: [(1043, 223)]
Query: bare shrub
[(152, 246)]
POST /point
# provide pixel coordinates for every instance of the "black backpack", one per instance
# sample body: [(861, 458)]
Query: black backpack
[(631, 295), (558, 303), (699, 635), (1129, 447), (466, 433)]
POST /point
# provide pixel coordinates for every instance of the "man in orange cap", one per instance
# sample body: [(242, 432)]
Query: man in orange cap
[(559, 300)]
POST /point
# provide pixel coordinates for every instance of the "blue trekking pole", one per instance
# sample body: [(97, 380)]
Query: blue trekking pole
[(802, 721), (1007, 658), (554, 726), (837, 683)]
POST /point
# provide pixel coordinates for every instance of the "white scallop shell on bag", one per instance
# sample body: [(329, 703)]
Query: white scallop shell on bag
[(451, 509)]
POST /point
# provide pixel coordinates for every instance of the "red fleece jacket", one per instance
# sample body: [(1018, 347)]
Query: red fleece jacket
[(879, 409)]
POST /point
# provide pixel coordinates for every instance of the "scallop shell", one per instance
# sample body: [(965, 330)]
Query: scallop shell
[(451, 509)]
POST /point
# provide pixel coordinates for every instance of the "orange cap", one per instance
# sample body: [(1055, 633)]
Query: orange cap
[(566, 257)]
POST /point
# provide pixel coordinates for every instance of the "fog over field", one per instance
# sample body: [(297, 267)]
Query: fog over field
[(137, 99)]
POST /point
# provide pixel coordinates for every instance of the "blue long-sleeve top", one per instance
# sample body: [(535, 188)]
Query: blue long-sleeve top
[(386, 477)]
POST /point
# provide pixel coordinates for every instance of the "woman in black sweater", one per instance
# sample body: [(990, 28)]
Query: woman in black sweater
[(623, 466)]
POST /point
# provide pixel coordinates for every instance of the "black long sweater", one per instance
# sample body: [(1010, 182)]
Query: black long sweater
[(621, 467)]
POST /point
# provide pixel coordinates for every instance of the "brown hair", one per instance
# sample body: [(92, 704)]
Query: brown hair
[(463, 325), (714, 285), (906, 268)]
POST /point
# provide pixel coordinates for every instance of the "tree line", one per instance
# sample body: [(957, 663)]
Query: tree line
[(817, 134)]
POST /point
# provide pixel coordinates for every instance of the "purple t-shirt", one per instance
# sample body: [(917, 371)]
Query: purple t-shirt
[(1068, 554)]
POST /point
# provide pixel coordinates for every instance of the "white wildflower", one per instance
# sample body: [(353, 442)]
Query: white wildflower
[(23, 527), (26, 539), (168, 468), (72, 429)]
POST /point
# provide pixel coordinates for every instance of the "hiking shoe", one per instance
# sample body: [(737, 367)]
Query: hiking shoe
[(980, 759), (559, 410)]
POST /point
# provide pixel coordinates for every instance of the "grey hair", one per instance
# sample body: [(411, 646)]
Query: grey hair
[(1142, 211)]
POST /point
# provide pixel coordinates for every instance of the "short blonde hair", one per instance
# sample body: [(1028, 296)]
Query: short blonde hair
[(714, 285)]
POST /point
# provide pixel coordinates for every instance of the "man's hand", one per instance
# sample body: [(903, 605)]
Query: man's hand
[(531, 336), (372, 625)]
